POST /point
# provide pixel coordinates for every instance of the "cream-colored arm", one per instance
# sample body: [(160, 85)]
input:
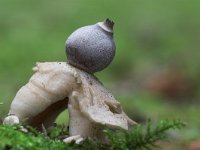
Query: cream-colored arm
[(51, 82)]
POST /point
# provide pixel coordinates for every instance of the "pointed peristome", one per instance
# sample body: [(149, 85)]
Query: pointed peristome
[(107, 25)]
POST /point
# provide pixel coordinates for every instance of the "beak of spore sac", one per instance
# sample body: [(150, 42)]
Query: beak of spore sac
[(107, 25)]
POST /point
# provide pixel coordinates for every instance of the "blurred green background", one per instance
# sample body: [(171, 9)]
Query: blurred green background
[(155, 73)]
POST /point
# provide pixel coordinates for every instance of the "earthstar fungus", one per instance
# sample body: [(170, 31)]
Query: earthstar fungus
[(56, 86)]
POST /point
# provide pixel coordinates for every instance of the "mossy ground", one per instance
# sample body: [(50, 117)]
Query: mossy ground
[(140, 137), (12, 138)]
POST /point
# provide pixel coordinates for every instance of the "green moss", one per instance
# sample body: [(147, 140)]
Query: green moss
[(12, 138), (138, 138), (142, 137)]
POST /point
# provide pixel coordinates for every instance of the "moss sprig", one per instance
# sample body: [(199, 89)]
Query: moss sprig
[(141, 137)]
